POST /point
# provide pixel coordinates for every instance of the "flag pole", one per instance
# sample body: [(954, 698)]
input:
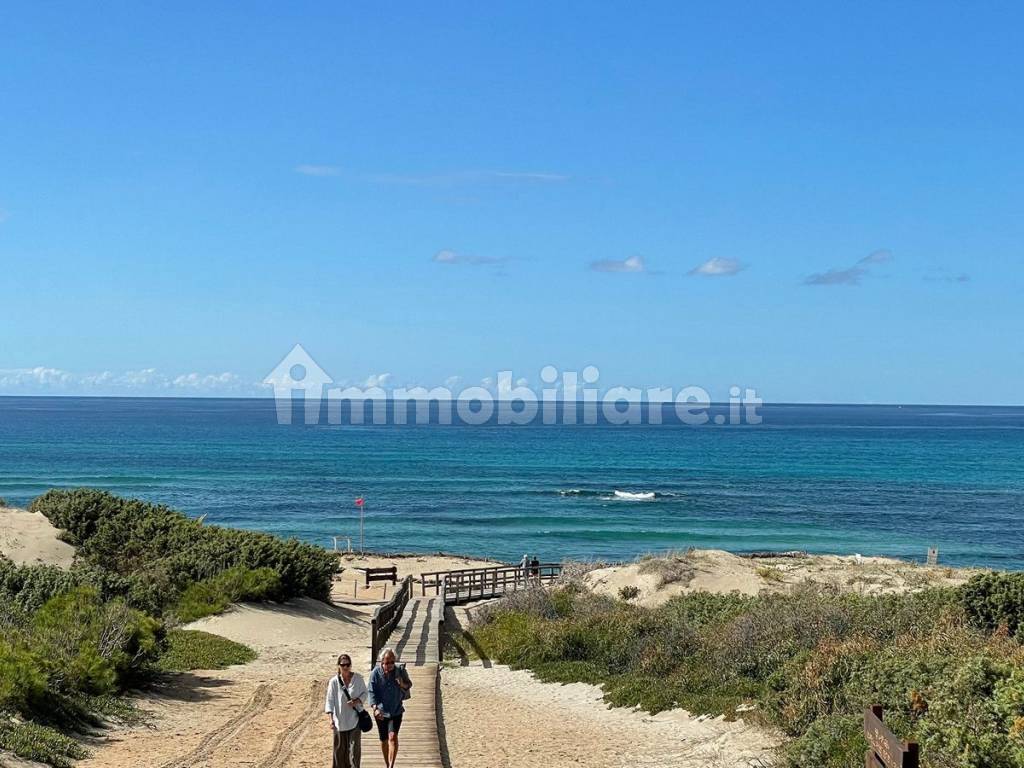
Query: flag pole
[(360, 501)]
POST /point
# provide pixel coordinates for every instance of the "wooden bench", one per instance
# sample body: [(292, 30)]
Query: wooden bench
[(382, 574)]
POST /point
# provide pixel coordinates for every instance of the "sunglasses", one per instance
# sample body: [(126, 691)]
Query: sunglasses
[(344, 664)]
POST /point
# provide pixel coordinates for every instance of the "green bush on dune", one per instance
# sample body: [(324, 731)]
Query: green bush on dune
[(158, 552), (994, 599), (238, 584), (947, 673), (41, 743)]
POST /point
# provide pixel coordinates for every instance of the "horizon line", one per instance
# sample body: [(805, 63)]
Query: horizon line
[(389, 399)]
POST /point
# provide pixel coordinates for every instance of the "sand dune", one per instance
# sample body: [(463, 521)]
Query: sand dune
[(29, 539), (659, 579)]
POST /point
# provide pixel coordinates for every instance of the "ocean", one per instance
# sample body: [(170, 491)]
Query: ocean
[(875, 480)]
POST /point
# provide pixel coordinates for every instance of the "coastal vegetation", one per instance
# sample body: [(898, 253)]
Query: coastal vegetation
[(188, 649), (946, 663), (73, 641)]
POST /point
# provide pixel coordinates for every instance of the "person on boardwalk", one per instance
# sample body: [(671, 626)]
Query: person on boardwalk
[(388, 687), (346, 693)]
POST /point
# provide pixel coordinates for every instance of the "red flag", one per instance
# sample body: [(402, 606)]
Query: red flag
[(360, 501)]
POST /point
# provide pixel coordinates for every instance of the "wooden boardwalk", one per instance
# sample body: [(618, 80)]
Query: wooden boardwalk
[(416, 641)]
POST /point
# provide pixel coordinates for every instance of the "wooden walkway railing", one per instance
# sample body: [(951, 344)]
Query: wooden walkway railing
[(386, 617), (466, 584)]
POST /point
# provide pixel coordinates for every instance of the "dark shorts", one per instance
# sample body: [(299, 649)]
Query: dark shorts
[(389, 725)]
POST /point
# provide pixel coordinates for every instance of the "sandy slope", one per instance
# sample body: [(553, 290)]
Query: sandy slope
[(499, 718), (28, 538)]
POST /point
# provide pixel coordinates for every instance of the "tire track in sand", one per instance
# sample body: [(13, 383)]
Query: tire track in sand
[(259, 701), (292, 735)]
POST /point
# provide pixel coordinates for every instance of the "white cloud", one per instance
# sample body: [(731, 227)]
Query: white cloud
[(447, 256), (40, 376), (452, 381), (377, 380), (631, 264), (718, 266), (851, 275), (318, 170), (207, 382)]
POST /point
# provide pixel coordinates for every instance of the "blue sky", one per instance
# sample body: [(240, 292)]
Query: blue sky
[(438, 190)]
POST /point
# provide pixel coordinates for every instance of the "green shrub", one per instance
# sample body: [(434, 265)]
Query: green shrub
[(3, 502), (994, 599), (29, 586), (22, 679), (238, 584), (41, 743), (629, 592), (157, 552), (91, 646), (828, 742), (189, 649)]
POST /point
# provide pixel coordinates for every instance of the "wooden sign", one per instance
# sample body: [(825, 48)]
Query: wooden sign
[(887, 750)]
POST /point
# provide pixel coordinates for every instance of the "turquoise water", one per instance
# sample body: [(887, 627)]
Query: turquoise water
[(868, 479)]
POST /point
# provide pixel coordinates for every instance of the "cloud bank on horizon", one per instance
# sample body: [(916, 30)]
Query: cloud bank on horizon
[(44, 380)]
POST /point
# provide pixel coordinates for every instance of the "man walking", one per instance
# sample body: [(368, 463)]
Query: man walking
[(388, 685)]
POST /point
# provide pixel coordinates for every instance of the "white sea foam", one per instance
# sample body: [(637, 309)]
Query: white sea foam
[(630, 496)]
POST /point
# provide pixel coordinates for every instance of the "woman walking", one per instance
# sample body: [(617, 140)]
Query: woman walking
[(388, 686), (346, 693)]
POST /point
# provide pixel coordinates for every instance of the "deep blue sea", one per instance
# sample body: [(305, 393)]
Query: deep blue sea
[(883, 480)]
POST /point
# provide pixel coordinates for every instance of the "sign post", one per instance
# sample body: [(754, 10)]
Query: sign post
[(885, 748)]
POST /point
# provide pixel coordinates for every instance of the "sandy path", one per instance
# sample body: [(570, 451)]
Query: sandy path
[(266, 714), (499, 718)]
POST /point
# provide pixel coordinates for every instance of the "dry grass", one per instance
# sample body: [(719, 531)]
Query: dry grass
[(672, 568), (771, 574)]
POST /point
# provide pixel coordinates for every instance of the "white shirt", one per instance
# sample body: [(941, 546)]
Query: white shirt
[(344, 716)]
